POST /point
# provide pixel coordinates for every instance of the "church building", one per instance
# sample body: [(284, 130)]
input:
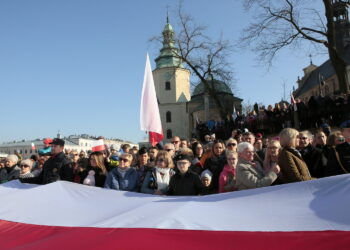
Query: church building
[(322, 80), (179, 110)]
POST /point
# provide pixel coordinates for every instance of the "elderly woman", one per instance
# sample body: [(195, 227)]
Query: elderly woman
[(123, 177), (156, 180), (293, 167), (26, 167), (11, 171), (249, 173)]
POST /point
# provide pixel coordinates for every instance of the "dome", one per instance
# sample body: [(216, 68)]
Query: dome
[(219, 86)]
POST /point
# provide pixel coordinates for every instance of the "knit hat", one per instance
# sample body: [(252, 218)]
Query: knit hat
[(27, 162), (207, 174), (13, 158)]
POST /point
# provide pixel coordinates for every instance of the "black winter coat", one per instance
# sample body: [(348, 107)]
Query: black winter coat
[(334, 167), (100, 177), (56, 168), (185, 184)]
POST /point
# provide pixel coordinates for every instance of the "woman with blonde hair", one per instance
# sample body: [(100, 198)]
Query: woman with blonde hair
[(271, 155), (157, 179), (293, 167), (124, 177), (95, 173), (231, 145)]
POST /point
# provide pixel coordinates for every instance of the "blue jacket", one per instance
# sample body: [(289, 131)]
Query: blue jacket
[(115, 181)]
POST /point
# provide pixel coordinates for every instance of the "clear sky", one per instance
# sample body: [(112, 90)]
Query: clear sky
[(77, 65)]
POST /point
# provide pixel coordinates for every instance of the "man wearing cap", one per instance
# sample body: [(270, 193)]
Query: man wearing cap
[(57, 167), (11, 171), (339, 157)]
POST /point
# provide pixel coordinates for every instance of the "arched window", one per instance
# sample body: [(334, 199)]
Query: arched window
[(169, 134), (167, 86), (168, 116)]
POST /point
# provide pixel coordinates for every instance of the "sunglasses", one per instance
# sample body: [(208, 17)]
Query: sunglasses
[(124, 160), (160, 160), (169, 150), (24, 166), (175, 142), (231, 144), (341, 139)]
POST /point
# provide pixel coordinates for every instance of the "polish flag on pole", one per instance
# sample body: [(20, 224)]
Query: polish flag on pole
[(149, 112), (98, 145), (33, 146)]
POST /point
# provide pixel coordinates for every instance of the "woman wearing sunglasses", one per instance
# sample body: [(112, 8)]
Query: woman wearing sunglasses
[(157, 179), (231, 145), (123, 177), (26, 167)]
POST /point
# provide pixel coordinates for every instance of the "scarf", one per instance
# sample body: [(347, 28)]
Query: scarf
[(162, 182), (122, 172)]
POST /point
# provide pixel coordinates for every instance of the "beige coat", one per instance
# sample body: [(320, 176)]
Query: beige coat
[(249, 176)]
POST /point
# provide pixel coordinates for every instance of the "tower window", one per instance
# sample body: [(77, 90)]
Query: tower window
[(167, 86), (169, 134), (168, 116)]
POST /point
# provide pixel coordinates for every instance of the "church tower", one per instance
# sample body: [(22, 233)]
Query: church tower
[(172, 83), (342, 24)]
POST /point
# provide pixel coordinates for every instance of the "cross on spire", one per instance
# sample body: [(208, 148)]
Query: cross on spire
[(310, 59), (167, 14)]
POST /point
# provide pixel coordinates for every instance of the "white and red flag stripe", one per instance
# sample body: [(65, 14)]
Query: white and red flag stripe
[(149, 113), (98, 145), (33, 146), (63, 215)]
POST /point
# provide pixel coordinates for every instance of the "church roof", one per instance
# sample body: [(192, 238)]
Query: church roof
[(219, 86), (167, 57), (325, 70)]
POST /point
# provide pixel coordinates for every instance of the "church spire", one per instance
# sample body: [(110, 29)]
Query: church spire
[(168, 52)]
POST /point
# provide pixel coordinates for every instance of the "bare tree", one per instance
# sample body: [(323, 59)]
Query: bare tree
[(289, 23), (205, 58)]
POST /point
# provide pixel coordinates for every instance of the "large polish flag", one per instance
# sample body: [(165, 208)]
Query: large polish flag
[(63, 215), (149, 113)]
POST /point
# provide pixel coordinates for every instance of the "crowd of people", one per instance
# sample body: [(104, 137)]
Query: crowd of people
[(319, 111), (181, 167)]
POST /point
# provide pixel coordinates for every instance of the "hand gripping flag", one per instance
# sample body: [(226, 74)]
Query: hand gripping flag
[(149, 112)]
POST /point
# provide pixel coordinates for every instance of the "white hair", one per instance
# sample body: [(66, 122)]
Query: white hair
[(243, 146)]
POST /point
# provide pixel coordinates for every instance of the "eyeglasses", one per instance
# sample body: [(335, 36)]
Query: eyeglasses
[(231, 144), (160, 160), (124, 160), (175, 142), (170, 149), (24, 166)]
